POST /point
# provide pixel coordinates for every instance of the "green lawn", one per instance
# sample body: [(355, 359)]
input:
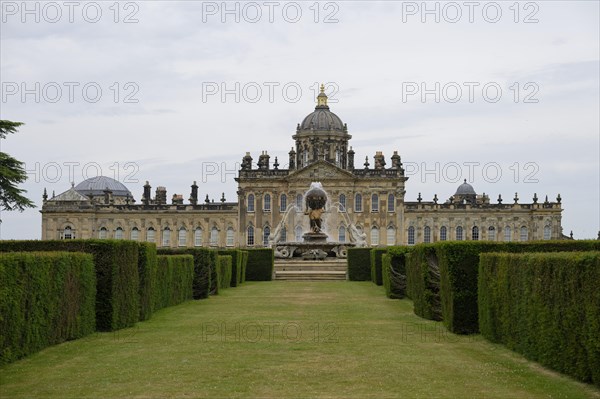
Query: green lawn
[(285, 340)]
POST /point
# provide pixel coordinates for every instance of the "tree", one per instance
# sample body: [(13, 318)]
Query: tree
[(12, 173)]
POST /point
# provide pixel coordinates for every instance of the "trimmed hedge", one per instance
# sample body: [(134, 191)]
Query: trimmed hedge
[(244, 266), (236, 265), (376, 254), (359, 264), (546, 307), (45, 298), (393, 272), (146, 272), (455, 296), (173, 280), (205, 261), (117, 280), (423, 281), (260, 264), (224, 271)]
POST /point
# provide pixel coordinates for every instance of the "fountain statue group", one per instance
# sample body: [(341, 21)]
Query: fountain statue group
[(315, 244)]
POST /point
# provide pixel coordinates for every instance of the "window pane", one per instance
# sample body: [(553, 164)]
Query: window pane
[(358, 203), (507, 234), (198, 237), (103, 233), (391, 236), (214, 237), (266, 234), (443, 233), (427, 234), (250, 235), (391, 205), (411, 235), (343, 201), (374, 236), (342, 234), (135, 234), (374, 203), (491, 233), (150, 235), (475, 233), (119, 233), (229, 237), (459, 233), (251, 203), (524, 233), (182, 237), (267, 202), (547, 232), (283, 202)]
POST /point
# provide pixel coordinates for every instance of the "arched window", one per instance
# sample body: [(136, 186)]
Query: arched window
[(229, 238), (374, 203), (103, 233), (214, 236), (135, 234), (151, 235), (68, 233), (459, 233), (427, 234), (182, 239), (198, 237), (298, 234), (343, 201), (283, 234), (304, 157), (342, 234), (118, 233), (491, 233), (411, 235), (338, 158), (374, 236), (443, 233), (250, 234), (299, 201), (358, 203), (250, 204), (166, 239), (266, 234), (507, 234), (475, 233), (267, 203), (391, 203), (524, 234), (282, 203), (391, 236), (547, 232)]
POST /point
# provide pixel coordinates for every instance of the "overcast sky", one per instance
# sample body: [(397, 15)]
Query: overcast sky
[(503, 94)]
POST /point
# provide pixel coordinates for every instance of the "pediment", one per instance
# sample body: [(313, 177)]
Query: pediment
[(320, 171)]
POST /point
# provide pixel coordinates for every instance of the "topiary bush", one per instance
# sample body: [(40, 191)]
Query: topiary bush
[(117, 278), (174, 280), (45, 298), (376, 254), (147, 273), (236, 265), (224, 271), (205, 261), (260, 265), (423, 281), (244, 264), (359, 264), (393, 271), (545, 306)]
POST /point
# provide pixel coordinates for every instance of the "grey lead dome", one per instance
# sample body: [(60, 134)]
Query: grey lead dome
[(465, 189), (96, 185)]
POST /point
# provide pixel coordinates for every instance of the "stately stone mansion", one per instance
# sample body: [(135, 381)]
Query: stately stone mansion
[(368, 198)]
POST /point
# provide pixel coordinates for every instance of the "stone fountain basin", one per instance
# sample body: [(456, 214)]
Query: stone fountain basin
[(312, 250)]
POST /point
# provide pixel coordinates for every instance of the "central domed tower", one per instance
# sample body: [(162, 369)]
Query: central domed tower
[(321, 136)]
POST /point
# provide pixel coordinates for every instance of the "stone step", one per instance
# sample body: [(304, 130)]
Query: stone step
[(312, 267), (309, 275)]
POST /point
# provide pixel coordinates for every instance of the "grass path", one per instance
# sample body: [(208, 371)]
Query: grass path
[(285, 340)]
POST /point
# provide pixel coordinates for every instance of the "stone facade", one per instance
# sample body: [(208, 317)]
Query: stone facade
[(372, 198)]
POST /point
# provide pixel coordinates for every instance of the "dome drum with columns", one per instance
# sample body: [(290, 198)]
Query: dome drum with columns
[(371, 193)]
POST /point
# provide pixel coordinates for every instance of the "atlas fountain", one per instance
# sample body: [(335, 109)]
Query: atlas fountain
[(315, 244)]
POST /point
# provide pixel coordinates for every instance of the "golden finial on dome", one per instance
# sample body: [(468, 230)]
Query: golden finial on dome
[(322, 97)]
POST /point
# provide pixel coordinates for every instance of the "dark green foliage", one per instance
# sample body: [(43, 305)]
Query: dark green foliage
[(173, 280), (244, 266), (147, 272), (459, 266), (376, 254), (359, 264), (393, 272), (117, 280), (260, 265), (45, 298), (205, 261), (423, 281), (545, 306), (236, 265), (224, 271)]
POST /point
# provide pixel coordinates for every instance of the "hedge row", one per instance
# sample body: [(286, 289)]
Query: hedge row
[(236, 265), (45, 298), (146, 271), (173, 280), (393, 272), (359, 264), (376, 254), (117, 280), (442, 277), (545, 306), (205, 261), (224, 272), (244, 266), (260, 265)]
